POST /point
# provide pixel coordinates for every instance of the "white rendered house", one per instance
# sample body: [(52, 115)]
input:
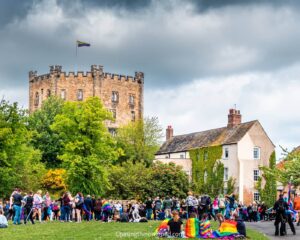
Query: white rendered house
[(246, 146)]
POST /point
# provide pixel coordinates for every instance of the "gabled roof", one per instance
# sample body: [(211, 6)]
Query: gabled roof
[(213, 137)]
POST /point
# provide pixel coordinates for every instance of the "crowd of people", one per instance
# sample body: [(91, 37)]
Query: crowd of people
[(67, 208)]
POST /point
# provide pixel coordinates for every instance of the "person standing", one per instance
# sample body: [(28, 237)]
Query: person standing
[(149, 207), (297, 207), (28, 208), (79, 205), (157, 207), (167, 204), (16, 205), (88, 206), (280, 207), (37, 204), (47, 209)]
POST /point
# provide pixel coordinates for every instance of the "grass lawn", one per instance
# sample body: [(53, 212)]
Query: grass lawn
[(90, 231)]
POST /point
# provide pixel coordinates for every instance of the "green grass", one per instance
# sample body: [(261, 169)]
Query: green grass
[(90, 231)]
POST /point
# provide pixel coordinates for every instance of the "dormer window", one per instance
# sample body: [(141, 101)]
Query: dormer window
[(115, 97)]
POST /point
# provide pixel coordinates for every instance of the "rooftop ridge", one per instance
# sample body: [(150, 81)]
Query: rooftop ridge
[(215, 129)]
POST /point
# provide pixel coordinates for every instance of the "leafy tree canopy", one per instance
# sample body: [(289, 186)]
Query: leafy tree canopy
[(140, 140), (88, 148)]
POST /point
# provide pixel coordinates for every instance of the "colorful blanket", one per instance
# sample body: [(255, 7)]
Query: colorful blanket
[(192, 228), (227, 228), (162, 229)]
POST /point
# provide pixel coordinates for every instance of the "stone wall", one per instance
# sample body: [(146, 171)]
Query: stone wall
[(127, 103)]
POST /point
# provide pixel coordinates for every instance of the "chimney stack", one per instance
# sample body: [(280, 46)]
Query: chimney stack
[(169, 132), (234, 118)]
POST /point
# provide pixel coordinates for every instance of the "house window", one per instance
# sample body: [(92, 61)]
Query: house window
[(115, 97), (131, 100), (48, 92), (256, 196), (36, 99), (113, 113), (182, 155), (226, 153), (205, 176), (197, 175), (256, 153), (225, 174), (63, 94), (132, 116), (205, 156), (79, 94), (255, 175)]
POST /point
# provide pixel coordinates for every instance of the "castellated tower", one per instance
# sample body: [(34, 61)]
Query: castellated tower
[(122, 95)]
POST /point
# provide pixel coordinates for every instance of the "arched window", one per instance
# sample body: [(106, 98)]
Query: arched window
[(36, 99)]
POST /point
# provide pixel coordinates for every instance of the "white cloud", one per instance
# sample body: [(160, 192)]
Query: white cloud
[(204, 103)]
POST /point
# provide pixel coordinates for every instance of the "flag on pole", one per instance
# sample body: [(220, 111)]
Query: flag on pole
[(82, 44)]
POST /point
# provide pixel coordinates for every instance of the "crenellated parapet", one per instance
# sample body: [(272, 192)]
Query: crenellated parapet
[(96, 71)]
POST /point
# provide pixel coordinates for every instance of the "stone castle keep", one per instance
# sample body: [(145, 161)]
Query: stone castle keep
[(122, 95)]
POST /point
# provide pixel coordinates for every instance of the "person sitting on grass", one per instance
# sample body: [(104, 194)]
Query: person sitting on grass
[(175, 226), (3, 220), (192, 226), (241, 227), (205, 227)]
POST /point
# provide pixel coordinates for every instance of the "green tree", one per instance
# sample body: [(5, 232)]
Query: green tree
[(88, 148), (140, 140), (266, 184), (231, 185), (19, 161), (44, 138), (135, 181)]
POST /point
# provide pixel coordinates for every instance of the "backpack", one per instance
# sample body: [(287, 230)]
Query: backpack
[(203, 200)]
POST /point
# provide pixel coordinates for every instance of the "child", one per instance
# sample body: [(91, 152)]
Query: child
[(3, 220), (205, 230), (175, 225)]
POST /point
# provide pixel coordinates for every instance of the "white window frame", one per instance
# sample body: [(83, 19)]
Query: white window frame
[(257, 175), (256, 196), (182, 156), (131, 99), (226, 176), (258, 153), (226, 149)]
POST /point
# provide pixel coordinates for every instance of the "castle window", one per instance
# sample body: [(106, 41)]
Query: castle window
[(115, 97), (48, 93), (131, 99), (36, 99), (114, 113), (63, 94), (132, 116), (113, 131), (79, 95), (42, 91), (205, 177)]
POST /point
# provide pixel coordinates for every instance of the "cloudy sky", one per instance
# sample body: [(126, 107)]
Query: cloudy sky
[(199, 57)]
